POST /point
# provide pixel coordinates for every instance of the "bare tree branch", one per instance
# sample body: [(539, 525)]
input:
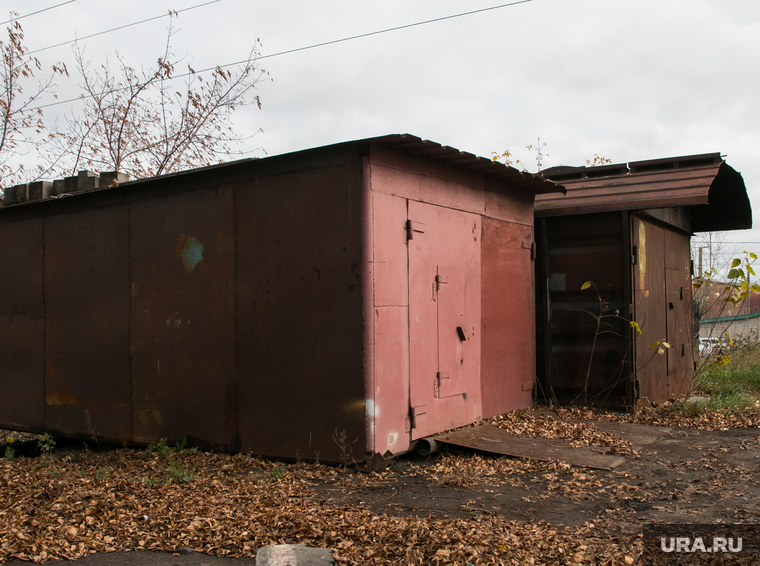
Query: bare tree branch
[(144, 124), (18, 118)]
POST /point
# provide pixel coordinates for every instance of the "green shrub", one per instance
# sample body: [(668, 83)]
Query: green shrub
[(733, 386), (46, 443), (179, 474), (159, 448)]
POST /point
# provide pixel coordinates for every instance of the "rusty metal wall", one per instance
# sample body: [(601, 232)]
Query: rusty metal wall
[(507, 317), (169, 310), (22, 325), (663, 310), (680, 313), (650, 304), (299, 313), (577, 249), (87, 362), (182, 331)]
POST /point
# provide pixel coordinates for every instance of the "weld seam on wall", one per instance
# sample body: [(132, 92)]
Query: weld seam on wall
[(408, 331), (368, 298), (44, 333), (129, 320), (235, 372)]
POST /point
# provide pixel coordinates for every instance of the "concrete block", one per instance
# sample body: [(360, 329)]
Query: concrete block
[(107, 178), (16, 194), (87, 181), (9, 196), (59, 187), (70, 184), (39, 190), (293, 555)]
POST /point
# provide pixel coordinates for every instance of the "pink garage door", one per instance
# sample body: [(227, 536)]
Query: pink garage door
[(444, 312)]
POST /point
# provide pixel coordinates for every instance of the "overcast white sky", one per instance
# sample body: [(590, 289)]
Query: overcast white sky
[(625, 79)]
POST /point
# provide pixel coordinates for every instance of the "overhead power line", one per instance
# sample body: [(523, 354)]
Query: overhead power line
[(37, 12), (334, 41), (170, 13), (315, 45)]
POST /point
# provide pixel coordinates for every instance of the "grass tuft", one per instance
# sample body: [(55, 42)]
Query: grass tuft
[(733, 387)]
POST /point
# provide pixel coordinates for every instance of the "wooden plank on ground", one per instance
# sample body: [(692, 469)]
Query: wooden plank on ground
[(636, 433), (493, 439)]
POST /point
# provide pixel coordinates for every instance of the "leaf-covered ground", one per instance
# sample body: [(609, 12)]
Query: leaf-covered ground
[(456, 508)]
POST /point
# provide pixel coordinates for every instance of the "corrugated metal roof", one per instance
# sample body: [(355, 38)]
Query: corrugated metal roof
[(433, 150), (712, 190), (405, 142)]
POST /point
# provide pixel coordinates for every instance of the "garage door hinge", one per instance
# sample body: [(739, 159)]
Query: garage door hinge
[(528, 245), (439, 280), (412, 227)]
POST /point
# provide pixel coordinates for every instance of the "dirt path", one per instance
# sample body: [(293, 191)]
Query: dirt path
[(678, 475), (684, 476)]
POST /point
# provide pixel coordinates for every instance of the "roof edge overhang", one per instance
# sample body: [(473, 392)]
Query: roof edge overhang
[(711, 190), (728, 206)]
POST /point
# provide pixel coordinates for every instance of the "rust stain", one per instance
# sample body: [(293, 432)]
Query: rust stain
[(190, 251), (57, 398), (642, 256)]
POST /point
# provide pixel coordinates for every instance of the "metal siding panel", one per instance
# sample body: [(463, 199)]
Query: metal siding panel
[(22, 326), (650, 304), (507, 318), (427, 188), (680, 318), (409, 153), (299, 314), (509, 207), (182, 317), (389, 256), (389, 355), (87, 366), (391, 398), (451, 239)]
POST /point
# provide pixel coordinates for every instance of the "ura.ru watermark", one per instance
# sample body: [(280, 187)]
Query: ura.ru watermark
[(697, 544), (673, 543)]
